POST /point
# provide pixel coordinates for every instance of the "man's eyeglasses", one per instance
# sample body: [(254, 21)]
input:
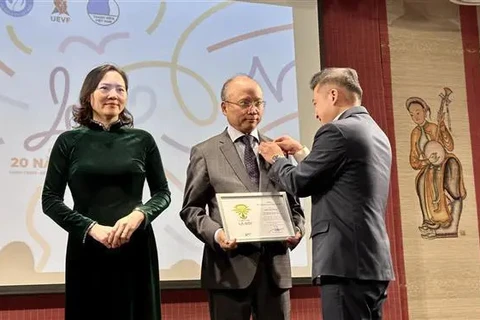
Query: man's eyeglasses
[(259, 104)]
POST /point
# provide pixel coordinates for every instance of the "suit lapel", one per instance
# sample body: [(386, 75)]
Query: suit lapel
[(231, 155)]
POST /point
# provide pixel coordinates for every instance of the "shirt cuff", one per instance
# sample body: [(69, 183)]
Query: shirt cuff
[(215, 237), (297, 229), (301, 154)]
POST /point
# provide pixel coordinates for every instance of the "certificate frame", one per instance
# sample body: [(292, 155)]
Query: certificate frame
[(245, 229)]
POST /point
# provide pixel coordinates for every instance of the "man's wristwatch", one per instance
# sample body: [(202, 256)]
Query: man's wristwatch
[(276, 157)]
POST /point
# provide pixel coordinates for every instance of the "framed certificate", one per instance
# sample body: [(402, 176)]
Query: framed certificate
[(256, 216)]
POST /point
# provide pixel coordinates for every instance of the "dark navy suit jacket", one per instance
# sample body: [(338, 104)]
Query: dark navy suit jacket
[(347, 175)]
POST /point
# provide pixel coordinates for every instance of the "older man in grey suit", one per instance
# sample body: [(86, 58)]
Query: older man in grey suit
[(247, 278), (347, 174)]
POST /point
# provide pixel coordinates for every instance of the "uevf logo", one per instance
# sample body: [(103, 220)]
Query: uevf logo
[(60, 13)]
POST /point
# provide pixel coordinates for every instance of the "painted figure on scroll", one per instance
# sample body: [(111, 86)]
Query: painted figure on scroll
[(439, 182)]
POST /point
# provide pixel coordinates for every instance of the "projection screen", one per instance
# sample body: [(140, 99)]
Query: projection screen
[(177, 55)]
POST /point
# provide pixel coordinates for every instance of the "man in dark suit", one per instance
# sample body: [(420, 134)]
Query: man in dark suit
[(247, 278), (347, 174)]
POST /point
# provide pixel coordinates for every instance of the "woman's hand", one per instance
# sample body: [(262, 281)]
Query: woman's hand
[(124, 228), (101, 234)]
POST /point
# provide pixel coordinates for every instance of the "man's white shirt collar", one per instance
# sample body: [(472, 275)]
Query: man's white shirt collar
[(339, 115), (235, 134)]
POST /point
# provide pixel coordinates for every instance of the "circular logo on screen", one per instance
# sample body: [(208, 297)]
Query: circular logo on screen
[(103, 12), (16, 8)]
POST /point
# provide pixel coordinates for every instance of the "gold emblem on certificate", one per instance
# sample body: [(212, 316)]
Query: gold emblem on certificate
[(242, 211)]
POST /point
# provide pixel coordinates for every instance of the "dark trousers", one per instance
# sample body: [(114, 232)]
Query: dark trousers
[(262, 299), (352, 299)]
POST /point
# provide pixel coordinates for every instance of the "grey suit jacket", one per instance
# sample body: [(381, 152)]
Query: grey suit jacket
[(215, 167), (347, 174)]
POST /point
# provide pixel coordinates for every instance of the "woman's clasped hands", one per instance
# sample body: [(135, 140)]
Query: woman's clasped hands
[(120, 233)]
